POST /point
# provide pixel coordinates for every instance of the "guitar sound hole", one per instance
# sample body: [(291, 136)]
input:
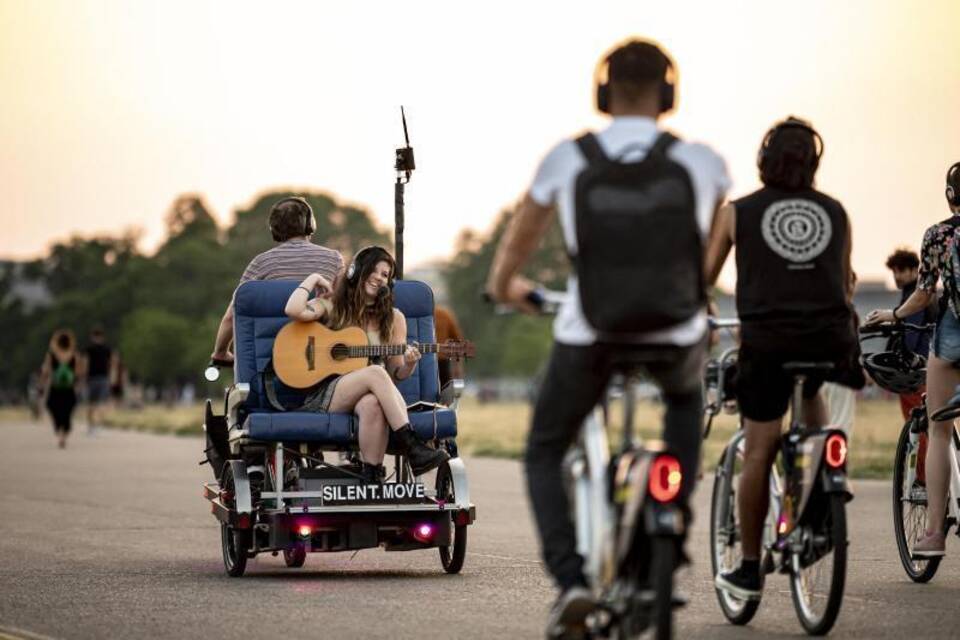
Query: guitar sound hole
[(339, 351)]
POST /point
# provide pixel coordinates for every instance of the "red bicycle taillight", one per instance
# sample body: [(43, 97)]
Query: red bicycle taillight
[(836, 451), (665, 478)]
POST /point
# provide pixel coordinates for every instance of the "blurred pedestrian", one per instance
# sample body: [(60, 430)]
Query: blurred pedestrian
[(100, 369), (58, 376), (447, 329)]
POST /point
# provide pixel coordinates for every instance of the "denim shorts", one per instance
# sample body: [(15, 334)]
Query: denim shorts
[(946, 338)]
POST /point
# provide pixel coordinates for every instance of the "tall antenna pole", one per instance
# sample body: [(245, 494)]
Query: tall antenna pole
[(404, 165)]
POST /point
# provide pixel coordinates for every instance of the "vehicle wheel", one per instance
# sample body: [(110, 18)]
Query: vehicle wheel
[(295, 557), (817, 590), (236, 543), (451, 556), (909, 514), (664, 561), (725, 553)]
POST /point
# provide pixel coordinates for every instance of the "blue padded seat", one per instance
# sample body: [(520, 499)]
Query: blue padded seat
[(258, 316)]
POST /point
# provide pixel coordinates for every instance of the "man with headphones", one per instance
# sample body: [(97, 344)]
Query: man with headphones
[(669, 182), (292, 224), (794, 292)]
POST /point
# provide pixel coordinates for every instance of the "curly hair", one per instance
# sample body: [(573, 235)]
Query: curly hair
[(902, 259), (350, 306)]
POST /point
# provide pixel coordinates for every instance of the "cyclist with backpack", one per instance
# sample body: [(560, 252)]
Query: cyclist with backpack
[(635, 205), (794, 291), (58, 376), (939, 260)]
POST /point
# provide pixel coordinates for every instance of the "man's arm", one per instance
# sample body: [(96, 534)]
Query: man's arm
[(521, 239), (719, 243), (221, 348)]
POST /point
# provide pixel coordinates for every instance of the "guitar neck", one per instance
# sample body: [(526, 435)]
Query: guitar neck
[(385, 350)]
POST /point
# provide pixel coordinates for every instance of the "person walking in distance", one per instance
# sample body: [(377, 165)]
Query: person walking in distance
[(100, 369), (794, 300), (58, 375), (636, 291), (939, 261)]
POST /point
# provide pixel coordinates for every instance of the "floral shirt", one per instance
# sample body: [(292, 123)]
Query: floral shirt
[(936, 262)]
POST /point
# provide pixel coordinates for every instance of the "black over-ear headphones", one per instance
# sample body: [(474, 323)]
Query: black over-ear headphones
[(953, 185), (602, 77), (795, 123), (371, 254), (309, 221)]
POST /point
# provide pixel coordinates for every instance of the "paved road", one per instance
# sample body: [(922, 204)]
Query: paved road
[(111, 539)]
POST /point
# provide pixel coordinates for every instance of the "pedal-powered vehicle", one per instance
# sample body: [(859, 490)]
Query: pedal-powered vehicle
[(805, 534), (278, 486), (909, 492)]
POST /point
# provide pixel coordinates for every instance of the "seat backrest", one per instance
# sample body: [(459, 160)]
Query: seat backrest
[(258, 316), (415, 300)]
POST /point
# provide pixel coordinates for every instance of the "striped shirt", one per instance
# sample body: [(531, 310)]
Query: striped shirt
[(294, 260)]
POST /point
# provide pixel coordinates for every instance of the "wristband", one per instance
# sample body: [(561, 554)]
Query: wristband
[(894, 312), (305, 289)]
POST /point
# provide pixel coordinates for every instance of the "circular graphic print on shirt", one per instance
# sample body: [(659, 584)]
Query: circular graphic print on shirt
[(798, 230)]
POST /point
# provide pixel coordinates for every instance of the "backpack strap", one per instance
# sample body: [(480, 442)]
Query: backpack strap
[(268, 378), (663, 143), (590, 148)]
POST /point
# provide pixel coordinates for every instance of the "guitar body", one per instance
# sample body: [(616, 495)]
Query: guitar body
[(302, 353)]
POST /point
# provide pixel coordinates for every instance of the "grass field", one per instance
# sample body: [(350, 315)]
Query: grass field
[(499, 429)]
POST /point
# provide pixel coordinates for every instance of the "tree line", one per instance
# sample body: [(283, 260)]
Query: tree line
[(162, 310)]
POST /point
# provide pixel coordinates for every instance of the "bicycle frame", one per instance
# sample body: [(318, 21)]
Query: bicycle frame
[(588, 463)]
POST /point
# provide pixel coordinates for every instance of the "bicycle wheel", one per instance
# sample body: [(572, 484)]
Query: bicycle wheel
[(817, 589), (664, 554), (909, 514), (725, 536)]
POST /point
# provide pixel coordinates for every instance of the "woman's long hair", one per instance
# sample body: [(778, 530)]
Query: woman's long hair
[(62, 342), (350, 306)]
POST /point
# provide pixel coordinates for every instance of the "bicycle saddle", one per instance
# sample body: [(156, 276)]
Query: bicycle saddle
[(799, 368)]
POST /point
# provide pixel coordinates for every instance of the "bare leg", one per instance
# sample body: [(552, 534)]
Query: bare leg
[(373, 429), (942, 379), (762, 439), (375, 380)]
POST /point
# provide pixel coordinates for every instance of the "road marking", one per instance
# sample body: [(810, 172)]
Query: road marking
[(13, 633)]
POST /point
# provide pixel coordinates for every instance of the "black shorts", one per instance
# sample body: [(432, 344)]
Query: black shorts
[(764, 388)]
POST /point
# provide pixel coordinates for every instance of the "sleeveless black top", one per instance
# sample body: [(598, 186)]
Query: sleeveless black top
[(791, 280)]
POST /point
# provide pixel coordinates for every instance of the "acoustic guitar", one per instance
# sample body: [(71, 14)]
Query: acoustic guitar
[(304, 353)]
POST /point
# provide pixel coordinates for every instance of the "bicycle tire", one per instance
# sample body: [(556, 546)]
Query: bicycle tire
[(919, 571), (737, 611), (664, 555), (838, 535)]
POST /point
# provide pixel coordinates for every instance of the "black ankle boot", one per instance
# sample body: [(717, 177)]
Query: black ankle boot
[(372, 473), (422, 458)]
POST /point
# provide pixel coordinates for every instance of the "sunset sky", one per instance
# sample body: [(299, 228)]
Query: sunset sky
[(109, 110)]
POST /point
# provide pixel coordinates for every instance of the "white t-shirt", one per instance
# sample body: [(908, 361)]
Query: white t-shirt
[(554, 185)]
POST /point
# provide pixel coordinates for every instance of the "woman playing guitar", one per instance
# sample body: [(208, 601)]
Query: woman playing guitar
[(364, 298)]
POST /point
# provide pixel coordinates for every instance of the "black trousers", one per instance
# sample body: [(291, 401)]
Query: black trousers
[(574, 383)]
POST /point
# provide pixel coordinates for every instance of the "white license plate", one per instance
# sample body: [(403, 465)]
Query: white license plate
[(389, 493)]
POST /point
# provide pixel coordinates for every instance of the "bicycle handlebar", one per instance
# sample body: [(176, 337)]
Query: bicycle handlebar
[(890, 328)]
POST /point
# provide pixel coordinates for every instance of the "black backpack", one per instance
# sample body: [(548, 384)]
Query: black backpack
[(639, 259)]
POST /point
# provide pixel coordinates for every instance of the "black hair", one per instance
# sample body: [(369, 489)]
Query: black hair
[(289, 218), (789, 158), (903, 259), (637, 68)]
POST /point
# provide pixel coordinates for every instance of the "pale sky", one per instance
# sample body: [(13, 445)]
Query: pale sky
[(109, 110)]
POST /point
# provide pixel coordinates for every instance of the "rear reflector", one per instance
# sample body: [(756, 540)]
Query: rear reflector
[(665, 478), (836, 450)]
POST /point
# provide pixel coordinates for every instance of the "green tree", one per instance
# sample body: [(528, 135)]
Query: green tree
[(512, 344)]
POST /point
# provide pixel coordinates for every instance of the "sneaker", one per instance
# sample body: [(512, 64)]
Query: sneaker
[(742, 584), (932, 545), (569, 612)]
